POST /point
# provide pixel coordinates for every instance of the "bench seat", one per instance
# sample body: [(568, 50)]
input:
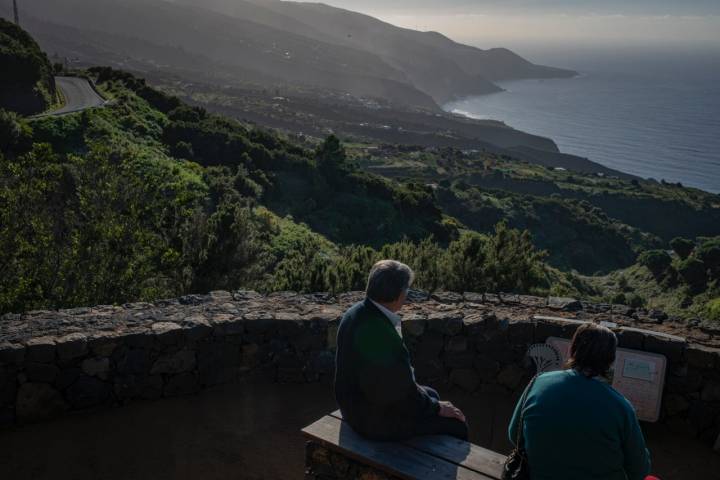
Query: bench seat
[(334, 450)]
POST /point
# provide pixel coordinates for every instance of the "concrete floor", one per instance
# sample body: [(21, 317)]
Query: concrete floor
[(244, 432)]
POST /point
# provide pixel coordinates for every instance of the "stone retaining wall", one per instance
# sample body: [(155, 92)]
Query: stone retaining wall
[(324, 464), (54, 362)]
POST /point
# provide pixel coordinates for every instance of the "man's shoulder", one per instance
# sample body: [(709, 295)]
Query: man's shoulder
[(360, 310)]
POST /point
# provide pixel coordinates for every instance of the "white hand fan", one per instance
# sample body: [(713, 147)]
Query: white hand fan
[(547, 358)]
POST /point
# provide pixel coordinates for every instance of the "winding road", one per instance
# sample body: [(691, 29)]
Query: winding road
[(79, 95)]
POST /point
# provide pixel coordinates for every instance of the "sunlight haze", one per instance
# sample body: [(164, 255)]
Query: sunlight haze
[(517, 23)]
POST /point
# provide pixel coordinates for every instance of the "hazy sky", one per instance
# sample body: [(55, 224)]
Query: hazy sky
[(516, 22)]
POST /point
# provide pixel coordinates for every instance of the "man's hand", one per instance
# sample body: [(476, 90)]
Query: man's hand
[(448, 410)]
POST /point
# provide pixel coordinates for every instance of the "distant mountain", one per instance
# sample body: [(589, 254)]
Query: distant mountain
[(26, 84), (272, 42)]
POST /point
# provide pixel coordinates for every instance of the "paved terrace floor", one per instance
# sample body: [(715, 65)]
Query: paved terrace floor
[(248, 431)]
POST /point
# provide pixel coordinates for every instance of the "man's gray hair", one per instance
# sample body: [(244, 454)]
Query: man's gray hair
[(387, 280)]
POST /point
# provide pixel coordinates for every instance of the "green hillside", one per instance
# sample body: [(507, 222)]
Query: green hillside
[(26, 84), (150, 198)]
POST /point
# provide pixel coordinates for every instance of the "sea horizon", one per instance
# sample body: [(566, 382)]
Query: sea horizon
[(641, 112)]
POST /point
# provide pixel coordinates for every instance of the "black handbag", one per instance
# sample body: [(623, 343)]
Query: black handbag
[(516, 466)]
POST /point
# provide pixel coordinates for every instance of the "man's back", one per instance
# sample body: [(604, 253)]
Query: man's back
[(374, 383)]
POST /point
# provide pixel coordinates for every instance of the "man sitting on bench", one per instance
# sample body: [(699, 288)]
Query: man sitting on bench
[(374, 382)]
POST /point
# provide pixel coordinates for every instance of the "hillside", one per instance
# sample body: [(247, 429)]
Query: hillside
[(288, 43), (148, 198), (26, 84), (593, 223)]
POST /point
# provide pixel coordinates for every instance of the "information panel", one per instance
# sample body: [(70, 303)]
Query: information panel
[(639, 376)]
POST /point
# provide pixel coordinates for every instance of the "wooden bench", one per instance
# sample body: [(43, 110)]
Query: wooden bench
[(334, 450)]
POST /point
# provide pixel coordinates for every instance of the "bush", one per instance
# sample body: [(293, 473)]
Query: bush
[(619, 299), (657, 261), (694, 274), (712, 310), (709, 254), (636, 301), (682, 246)]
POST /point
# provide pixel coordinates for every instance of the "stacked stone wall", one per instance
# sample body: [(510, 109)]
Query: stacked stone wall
[(52, 362)]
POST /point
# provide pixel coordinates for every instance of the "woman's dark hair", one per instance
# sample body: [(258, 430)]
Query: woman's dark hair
[(592, 351)]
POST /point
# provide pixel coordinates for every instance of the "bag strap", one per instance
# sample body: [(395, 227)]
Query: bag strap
[(521, 419)]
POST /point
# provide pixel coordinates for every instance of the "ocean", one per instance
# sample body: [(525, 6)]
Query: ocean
[(654, 114)]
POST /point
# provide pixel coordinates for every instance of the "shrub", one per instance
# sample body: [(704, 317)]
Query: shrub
[(712, 310), (682, 246), (619, 299), (636, 301), (694, 274), (657, 261), (709, 254)]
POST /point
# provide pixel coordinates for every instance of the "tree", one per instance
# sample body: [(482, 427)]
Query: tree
[(657, 261), (464, 264), (331, 154), (682, 247), (694, 273)]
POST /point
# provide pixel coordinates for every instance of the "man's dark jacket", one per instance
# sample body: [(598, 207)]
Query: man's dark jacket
[(374, 381)]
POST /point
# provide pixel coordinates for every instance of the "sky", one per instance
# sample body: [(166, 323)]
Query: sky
[(488, 23)]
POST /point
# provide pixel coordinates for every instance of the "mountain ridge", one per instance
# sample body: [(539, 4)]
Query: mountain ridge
[(304, 44)]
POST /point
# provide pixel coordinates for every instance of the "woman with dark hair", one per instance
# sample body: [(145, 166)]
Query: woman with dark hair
[(574, 424)]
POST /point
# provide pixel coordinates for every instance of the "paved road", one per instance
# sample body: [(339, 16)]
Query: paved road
[(79, 95)]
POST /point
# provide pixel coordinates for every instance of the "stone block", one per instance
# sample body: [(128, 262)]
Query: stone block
[(104, 345), (251, 355), (12, 353), (260, 325), (512, 376), (522, 332), (545, 329), (429, 346), (429, 371), (38, 401), (134, 362), (41, 349), (143, 340), (218, 363), (67, 377), (675, 404), (179, 362), (308, 340), (198, 330), (690, 382), (699, 356), (473, 297), (702, 415), (332, 332), (672, 349), (71, 346), (446, 323), (96, 367), (8, 385), (167, 333), (413, 325), (41, 372), (182, 384), (458, 359), (565, 304), (447, 297), (711, 392), (88, 392), (465, 378), (631, 339), (457, 344), (487, 369)]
